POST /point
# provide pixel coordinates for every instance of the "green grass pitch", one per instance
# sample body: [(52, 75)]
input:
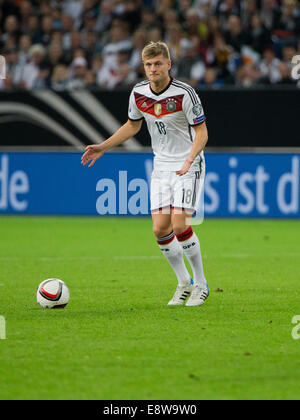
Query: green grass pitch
[(118, 339)]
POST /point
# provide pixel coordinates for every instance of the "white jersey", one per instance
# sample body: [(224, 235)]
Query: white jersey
[(170, 116)]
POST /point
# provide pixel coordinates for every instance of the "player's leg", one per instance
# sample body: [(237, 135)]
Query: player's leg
[(187, 193), (170, 247), (166, 239), (190, 244)]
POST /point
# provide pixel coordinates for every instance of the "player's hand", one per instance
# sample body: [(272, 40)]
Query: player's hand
[(92, 153), (185, 167)]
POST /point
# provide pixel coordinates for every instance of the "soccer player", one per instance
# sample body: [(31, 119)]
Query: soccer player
[(176, 123)]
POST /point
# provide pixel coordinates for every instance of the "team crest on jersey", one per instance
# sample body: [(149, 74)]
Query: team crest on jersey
[(160, 108), (157, 109), (197, 109), (171, 105)]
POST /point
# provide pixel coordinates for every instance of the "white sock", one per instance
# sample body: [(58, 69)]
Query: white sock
[(174, 254), (191, 248)]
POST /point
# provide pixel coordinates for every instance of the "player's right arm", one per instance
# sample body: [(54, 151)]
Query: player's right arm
[(95, 151)]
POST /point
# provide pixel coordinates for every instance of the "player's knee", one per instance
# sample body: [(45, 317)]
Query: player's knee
[(161, 231), (180, 228)]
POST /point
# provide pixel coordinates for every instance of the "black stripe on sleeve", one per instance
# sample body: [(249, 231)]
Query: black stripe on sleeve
[(190, 90), (182, 87)]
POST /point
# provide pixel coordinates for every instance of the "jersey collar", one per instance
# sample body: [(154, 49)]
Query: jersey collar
[(162, 91)]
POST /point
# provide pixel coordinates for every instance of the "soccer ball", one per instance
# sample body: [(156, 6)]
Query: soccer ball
[(52, 293)]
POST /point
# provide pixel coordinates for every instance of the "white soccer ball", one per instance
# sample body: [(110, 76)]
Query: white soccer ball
[(52, 293)]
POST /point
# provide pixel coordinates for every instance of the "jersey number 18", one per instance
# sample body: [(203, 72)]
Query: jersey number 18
[(161, 127)]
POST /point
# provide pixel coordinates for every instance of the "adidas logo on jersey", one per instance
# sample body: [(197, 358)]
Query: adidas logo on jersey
[(144, 105)]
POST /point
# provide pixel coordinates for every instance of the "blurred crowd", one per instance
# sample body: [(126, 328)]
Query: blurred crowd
[(70, 44)]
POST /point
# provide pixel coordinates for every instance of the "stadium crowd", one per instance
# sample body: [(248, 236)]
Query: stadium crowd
[(69, 44)]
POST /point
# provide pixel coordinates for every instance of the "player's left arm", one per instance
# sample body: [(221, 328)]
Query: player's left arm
[(199, 144)]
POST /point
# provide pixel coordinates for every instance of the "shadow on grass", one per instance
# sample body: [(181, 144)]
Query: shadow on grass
[(129, 310)]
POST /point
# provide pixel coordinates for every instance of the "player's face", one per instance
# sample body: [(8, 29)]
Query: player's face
[(157, 68)]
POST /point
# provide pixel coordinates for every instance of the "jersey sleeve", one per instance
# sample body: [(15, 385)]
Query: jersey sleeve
[(192, 108), (134, 114)]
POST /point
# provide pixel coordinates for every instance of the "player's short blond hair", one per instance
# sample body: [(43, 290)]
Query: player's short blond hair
[(153, 49)]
